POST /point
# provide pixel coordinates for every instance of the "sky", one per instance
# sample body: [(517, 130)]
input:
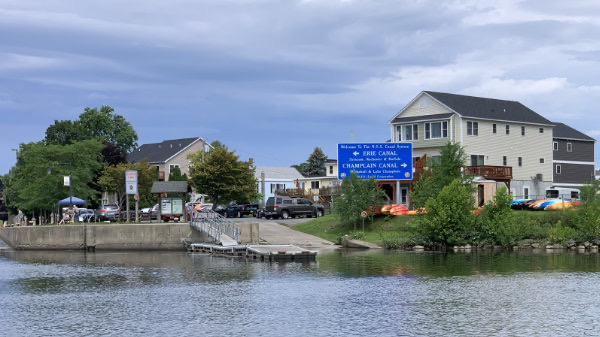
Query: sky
[(273, 79)]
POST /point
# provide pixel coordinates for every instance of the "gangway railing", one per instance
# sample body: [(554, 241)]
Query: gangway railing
[(214, 225)]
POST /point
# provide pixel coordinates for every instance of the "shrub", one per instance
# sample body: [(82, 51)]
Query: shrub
[(561, 234), (449, 216)]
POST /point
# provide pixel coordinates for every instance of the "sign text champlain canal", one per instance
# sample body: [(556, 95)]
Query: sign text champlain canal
[(383, 161)]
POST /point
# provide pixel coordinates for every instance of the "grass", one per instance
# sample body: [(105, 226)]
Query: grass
[(395, 231), (330, 228)]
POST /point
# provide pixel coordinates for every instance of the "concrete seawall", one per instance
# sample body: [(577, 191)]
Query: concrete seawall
[(159, 236)]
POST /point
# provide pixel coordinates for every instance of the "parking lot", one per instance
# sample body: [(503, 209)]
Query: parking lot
[(287, 222)]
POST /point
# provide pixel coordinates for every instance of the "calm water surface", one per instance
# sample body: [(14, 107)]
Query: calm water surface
[(342, 293)]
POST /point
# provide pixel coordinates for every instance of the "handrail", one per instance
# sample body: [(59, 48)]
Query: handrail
[(214, 224)]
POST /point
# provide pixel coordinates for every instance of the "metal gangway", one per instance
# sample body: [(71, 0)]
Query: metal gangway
[(216, 226)]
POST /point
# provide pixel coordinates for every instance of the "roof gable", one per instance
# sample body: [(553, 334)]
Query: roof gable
[(277, 173), (564, 131), (161, 152)]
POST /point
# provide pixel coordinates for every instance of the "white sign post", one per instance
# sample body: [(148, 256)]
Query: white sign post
[(131, 188)]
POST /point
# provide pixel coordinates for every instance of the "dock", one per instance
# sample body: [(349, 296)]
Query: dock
[(264, 253)]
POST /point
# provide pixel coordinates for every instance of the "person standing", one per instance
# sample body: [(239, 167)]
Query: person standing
[(20, 218)]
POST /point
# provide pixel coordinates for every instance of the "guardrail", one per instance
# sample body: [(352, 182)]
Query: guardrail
[(214, 224)]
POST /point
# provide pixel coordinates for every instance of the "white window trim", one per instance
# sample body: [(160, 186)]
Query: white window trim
[(507, 129), (474, 127), (521, 159), (542, 160), (494, 128), (569, 147), (528, 191), (522, 131), (478, 155), (554, 146), (430, 129), (558, 169)]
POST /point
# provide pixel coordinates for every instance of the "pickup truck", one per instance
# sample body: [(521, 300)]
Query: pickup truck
[(285, 207), (235, 210)]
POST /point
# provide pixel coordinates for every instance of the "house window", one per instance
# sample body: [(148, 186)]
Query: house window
[(541, 160), (520, 161), (569, 147), (277, 188), (472, 128), (541, 130), (314, 185), (477, 160), (494, 128), (171, 167), (436, 130), (525, 192), (555, 146), (408, 132), (504, 160), (330, 169), (522, 131), (558, 169), (415, 160), (507, 129)]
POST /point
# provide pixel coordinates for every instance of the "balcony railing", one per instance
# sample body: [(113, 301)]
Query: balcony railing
[(490, 172)]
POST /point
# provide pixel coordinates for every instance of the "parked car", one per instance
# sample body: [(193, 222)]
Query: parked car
[(235, 210), (85, 215), (285, 207), (108, 212)]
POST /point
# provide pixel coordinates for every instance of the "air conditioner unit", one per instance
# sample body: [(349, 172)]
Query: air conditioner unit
[(538, 177)]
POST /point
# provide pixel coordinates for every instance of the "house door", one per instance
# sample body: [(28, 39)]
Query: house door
[(404, 196), (480, 195)]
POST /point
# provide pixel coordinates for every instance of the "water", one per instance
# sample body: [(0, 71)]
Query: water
[(343, 293)]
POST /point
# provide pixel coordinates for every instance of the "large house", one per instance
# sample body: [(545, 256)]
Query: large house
[(505, 141), (169, 154), (573, 157)]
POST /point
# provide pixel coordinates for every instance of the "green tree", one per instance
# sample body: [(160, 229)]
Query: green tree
[(441, 172), (103, 125), (176, 175), (316, 163), (113, 180), (357, 195), (587, 215), (220, 175), (449, 215), (30, 187), (497, 223)]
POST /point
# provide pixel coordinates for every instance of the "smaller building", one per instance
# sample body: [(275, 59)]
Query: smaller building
[(327, 184), (271, 180), (573, 157), (167, 155)]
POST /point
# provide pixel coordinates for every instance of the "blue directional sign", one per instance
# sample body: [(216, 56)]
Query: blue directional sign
[(383, 161)]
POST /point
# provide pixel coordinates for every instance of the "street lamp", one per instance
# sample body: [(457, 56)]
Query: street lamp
[(49, 170)]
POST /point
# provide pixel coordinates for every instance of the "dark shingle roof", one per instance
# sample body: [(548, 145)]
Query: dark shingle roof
[(169, 187), (489, 108), (160, 152), (564, 131), (421, 118)]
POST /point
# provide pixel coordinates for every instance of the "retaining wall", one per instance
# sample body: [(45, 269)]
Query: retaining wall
[(159, 236)]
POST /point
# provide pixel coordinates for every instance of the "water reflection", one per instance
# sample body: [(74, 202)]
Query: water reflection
[(342, 293)]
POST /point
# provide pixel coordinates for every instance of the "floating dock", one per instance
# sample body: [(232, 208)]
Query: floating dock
[(282, 253)]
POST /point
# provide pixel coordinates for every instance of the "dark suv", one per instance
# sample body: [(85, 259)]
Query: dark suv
[(108, 212), (285, 207)]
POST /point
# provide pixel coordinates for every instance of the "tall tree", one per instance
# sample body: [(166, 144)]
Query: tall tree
[(222, 176), (103, 125), (316, 163), (113, 180), (441, 172), (106, 126), (30, 187), (113, 155)]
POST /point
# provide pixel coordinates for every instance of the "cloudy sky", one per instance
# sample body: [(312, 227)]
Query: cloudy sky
[(272, 79)]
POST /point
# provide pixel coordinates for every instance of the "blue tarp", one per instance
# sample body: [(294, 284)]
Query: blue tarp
[(76, 201)]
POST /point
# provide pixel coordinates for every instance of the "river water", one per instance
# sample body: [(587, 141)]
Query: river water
[(344, 293)]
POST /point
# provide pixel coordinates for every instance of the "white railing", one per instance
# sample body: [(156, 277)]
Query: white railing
[(214, 225)]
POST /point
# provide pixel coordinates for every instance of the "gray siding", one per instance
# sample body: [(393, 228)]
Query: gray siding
[(582, 150), (573, 174)]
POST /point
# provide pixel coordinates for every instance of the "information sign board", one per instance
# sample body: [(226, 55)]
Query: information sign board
[(131, 182), (383, 161)]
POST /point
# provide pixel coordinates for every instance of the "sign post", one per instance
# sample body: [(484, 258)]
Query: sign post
[(130, 188)]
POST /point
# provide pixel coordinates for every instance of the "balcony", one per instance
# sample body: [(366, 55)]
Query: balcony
[(490, 172)]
